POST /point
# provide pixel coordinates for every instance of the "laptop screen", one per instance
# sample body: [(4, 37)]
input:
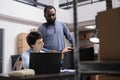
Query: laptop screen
[(45, 63)]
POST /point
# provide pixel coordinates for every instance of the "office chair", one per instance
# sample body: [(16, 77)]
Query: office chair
[(85, 54), (16, 62)]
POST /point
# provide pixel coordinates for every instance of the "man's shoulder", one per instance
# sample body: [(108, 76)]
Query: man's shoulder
[(27, 52), (43, 24), (64, 25), (59, 22)]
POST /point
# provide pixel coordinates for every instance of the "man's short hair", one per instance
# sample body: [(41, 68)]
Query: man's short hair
[(32, 37), (49, 7)]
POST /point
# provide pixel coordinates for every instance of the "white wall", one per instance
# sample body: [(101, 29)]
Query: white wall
[(16, 9), (64, 16), (27, 12), (88, 12), (11, 30), (22, 11), (17, 17)]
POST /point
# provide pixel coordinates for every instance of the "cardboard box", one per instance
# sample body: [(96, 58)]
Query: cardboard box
[(22, 43), (22, 49), (89, 35), (22, 36), (107, 77)]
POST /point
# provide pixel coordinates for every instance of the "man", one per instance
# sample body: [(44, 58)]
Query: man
[(53, 31), (35, 41)]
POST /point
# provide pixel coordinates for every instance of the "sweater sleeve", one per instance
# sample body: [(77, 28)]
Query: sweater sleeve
[(67, 34)]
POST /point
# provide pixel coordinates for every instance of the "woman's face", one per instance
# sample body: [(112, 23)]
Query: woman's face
[(38, 45)]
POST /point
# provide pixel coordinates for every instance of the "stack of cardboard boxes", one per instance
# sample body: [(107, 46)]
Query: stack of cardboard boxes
[(109, 30), (84, 39)]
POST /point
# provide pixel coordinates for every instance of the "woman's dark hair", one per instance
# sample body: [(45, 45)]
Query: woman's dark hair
[(32, 37), (49, 7)]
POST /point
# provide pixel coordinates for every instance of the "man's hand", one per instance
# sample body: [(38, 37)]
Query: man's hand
[(67, 49), (53, 51)]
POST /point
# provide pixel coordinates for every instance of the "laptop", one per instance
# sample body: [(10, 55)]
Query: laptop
[(45, 63)]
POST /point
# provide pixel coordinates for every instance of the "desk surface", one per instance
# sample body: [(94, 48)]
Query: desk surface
[(58, 76), (86, 68), (100, 67)]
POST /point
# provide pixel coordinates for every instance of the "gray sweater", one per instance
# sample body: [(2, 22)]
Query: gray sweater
[(53, 35)]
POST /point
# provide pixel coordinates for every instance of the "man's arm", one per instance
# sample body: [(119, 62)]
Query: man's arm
[(67, 34)]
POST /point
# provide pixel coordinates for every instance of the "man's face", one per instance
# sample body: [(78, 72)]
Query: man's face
[(38, 45), (50, 16)]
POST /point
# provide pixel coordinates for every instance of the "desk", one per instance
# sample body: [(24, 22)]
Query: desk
[(100, 67), (86, 68), (59, 76)]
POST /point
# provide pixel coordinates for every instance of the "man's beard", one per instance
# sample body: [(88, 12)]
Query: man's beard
[(51, 21)]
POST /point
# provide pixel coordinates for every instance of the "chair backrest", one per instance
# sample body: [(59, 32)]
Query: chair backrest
[(16, 62), (85, 54)]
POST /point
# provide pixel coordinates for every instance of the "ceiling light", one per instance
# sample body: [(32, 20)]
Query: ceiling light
[(91, 27), (94, 38)]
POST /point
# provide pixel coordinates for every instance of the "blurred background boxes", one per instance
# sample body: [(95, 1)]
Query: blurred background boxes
[(22, 43)]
